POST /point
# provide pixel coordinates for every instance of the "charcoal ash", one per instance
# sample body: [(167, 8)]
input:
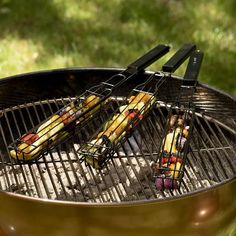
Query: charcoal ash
[(116, 183)]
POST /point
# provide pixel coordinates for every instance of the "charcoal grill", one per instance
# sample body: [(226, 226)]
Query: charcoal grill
[(59, 186)]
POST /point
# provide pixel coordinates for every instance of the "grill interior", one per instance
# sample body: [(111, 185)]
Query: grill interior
[(60, 174)]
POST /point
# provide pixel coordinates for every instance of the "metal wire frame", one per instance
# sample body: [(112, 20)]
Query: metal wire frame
[(97, 154), (170, 167)]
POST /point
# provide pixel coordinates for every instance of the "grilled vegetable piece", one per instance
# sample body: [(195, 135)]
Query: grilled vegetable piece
[(26, 151), (98, 150), (176, 136), (29, 138), (50, 127), (166, 183), (31, 144)]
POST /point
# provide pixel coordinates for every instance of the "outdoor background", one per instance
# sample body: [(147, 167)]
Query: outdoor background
[(39, 35)]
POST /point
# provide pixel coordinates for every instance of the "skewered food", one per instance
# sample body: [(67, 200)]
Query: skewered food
[(97, 151), (31, 144), (169, 167), (97, 95)]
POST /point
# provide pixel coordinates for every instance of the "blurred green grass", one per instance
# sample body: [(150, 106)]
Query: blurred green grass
[(38, 35)]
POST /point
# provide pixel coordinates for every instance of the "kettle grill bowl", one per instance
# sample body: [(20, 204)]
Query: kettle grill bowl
[(211, 211)]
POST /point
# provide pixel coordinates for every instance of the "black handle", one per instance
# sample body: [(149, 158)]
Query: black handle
[(148, 58), (193, 68), (179, 57)]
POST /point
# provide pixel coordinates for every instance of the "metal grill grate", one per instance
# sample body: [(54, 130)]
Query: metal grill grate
[(60, 175)]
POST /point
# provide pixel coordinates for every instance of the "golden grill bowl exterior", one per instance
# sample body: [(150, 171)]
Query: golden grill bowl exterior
[(207, 213)]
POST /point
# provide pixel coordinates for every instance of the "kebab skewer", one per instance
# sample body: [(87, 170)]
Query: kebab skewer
[(101, 148), (61, 124), (51, 131), (169, 169)]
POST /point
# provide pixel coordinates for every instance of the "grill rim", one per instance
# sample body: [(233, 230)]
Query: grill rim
[(122, 203), (32, 75), (106, 69)]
